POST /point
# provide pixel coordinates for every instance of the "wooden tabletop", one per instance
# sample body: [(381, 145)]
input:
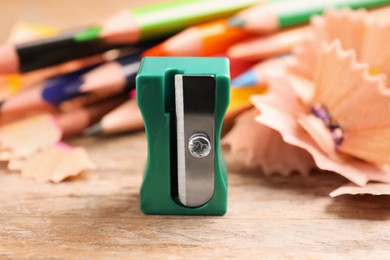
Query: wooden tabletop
[(98, 216)]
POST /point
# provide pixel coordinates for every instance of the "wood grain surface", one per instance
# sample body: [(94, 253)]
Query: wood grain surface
[(97, 216)]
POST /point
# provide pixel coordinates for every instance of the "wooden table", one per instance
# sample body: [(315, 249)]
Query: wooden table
[(97, 216)]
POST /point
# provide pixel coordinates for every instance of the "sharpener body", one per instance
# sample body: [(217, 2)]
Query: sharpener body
[(155, 84)]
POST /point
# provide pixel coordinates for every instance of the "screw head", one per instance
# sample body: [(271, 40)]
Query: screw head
[(199, 145)]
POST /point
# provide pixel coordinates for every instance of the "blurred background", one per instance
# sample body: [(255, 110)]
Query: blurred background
[(61, 14)]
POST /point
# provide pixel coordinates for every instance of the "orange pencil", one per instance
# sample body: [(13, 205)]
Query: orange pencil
[(268, 46), (202, 40)]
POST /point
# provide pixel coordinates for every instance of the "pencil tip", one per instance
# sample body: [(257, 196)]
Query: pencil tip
[(158, 50), (248, 78), (236, 22), (9, 59), (95, 129)]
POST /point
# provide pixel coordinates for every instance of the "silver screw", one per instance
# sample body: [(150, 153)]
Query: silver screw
[(199, 145)]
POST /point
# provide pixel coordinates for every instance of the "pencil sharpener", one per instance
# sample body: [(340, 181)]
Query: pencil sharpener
[(183, 101)]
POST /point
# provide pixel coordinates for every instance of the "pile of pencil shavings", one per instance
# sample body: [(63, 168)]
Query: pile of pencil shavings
[(32, 144), (329, 109)]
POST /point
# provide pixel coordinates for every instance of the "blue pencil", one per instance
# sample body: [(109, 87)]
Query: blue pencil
[(106, 79), (257, 74)]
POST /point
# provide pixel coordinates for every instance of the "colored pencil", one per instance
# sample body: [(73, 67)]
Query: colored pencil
[(126, 26), (13, 84), (256, 76), (239, 102), (382, 13), (34, 99), (75, 121), (112, 77), (22, 32), (105, 80), (201, 40), (268, 46), (125, 118), (238, 66), (276, 15)]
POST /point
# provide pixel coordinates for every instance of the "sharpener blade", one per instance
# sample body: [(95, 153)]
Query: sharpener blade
[(195, 122)]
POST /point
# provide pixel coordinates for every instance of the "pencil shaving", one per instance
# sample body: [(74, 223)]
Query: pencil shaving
[(341, 118), (258, 145), (25, 137), (5, 155), (56, 163), (366, 35), (370, 188), (32, 146), (15, 164), (361, 106), (342, 144)]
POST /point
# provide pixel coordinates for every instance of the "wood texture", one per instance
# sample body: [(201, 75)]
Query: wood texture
[(97, 216)]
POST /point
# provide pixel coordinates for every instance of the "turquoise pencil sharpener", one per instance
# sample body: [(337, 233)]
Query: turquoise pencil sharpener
[(183, 101)]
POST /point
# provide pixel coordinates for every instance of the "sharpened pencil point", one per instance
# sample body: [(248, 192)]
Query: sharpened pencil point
[(9, 63), (157, 50), (95, 129), (236, 22), (248, 78)]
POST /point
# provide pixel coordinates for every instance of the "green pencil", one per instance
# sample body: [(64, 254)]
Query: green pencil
[(162, 19), (277, 15), (127, 26)]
